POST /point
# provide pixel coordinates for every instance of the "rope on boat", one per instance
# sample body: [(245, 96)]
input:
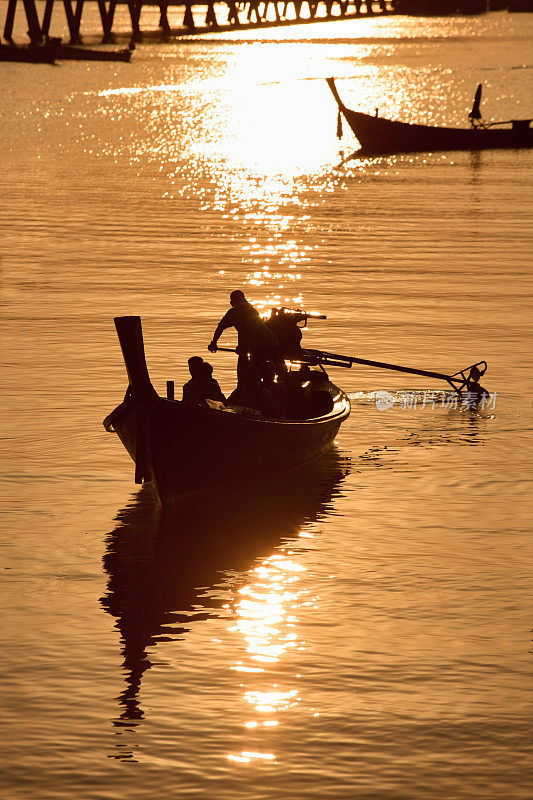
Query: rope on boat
[(143, 460)]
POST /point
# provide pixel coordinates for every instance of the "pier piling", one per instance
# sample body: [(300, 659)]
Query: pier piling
[(222, 15)]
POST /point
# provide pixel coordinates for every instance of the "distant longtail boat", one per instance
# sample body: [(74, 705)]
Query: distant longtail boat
[(380, 136)]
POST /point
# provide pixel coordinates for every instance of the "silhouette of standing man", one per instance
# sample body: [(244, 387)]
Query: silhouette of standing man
[(256, 342)]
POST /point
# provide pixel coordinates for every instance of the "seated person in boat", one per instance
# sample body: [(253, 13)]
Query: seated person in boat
[(202, 386), (256, 342), (277, 389), (214, 392), (250, 393), (194, 363), (308, 398)]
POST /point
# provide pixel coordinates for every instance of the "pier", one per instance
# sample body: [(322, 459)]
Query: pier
[(197, 17)]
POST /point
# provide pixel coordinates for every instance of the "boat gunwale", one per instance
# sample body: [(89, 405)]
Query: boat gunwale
[(491, 128), (341, 409)]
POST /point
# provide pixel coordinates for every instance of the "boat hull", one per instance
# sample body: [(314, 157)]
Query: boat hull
[(72, 53), (30, 54), (379, 136), (184, 450)]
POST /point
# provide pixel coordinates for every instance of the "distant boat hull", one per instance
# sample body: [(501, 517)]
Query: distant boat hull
[(52, 50), (523, 6), (379, 136), (71, 53), (30, 54)]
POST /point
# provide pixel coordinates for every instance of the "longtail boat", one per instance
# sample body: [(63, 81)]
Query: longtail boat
[(75, 53), (53, 49), (30, 54), (72, 53), (184, 450), (380, 136)]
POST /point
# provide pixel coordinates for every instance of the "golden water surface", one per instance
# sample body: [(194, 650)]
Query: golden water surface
[(359, 632)]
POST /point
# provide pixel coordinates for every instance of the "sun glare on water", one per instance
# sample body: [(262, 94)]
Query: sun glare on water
[(266, 620)]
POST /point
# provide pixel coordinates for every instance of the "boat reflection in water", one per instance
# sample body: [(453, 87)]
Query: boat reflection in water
[(159, 563)]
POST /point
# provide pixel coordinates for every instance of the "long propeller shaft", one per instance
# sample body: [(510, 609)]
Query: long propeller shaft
[(458, 381)]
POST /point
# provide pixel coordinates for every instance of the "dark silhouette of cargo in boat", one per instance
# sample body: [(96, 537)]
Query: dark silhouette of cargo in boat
[(379, 136)]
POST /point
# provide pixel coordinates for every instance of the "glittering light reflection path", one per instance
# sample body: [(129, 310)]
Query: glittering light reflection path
[(275, 260), (266, 617), (228, 146)]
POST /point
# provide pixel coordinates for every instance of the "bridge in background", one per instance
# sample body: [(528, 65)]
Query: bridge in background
[(198, 17)]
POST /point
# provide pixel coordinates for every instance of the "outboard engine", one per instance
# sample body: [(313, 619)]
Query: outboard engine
[(285, 323)]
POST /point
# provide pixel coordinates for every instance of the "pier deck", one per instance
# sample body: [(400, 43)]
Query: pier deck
[(198, 17)]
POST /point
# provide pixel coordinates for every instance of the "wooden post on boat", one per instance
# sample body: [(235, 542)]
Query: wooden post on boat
[(170, 390), (129, 330)]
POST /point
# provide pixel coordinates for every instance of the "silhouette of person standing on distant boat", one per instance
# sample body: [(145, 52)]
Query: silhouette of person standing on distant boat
[(256, 342)]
